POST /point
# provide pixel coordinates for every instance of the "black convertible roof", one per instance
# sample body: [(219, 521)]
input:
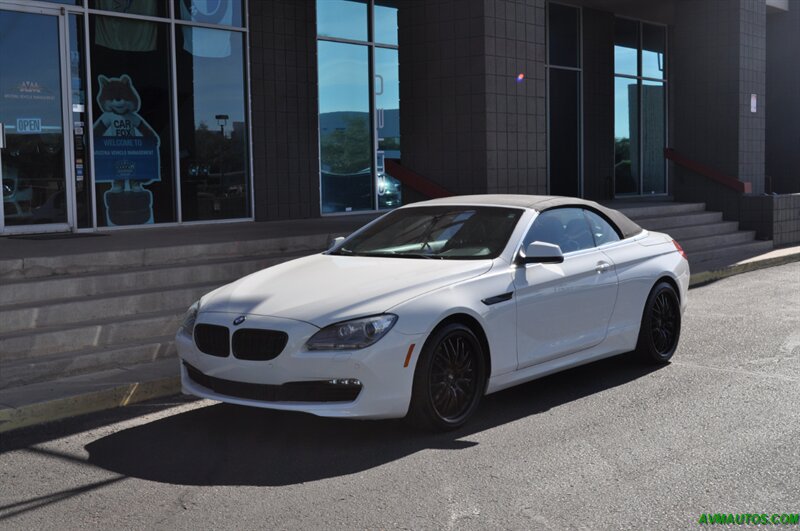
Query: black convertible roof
[(539, 203)]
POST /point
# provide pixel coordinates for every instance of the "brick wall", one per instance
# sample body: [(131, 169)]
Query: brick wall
[(775, 218), (719, 60), (284, 104), (516, 112), (466, 123)]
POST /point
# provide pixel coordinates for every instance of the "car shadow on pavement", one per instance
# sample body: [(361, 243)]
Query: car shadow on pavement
[(231, 445)]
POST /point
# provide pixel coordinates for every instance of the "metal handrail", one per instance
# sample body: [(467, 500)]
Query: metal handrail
[(733, 183)]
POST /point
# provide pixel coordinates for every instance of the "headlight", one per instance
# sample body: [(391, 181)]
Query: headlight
[(187, 327), (351, 335)]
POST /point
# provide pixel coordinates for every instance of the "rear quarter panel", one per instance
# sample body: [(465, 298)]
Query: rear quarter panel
[(639, 263)]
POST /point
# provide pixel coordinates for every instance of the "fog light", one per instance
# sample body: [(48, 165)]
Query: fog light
[(345, 381)]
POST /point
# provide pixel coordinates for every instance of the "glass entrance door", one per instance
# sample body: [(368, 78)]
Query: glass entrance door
[(37, 196)]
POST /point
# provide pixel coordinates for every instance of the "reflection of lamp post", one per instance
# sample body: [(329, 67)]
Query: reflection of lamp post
[(222, 120)]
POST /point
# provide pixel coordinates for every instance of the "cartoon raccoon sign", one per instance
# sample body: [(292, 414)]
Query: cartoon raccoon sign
[(126, 152)]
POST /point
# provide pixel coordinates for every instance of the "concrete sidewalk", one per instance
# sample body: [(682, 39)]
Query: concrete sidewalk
[(87, 393)]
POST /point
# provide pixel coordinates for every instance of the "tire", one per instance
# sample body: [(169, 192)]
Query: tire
[(661, 325), (449, 380)]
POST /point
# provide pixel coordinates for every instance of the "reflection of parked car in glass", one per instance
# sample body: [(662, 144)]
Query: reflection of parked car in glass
[(53, 210), (16, 200)]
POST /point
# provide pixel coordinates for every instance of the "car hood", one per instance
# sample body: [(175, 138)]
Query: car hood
[(324, 289)]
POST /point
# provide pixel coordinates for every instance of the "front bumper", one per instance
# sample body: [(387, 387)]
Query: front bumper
[(385, 382)]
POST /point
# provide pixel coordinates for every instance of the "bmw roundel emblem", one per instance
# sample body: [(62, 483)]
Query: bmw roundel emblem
[(239, 320)]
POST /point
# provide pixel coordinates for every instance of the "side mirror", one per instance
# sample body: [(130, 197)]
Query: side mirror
[(336, 241), (541, 253)]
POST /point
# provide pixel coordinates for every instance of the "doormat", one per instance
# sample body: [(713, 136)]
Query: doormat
[(55, 236)]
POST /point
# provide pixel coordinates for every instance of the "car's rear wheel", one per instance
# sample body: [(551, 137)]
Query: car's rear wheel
[(661, 324), (449, 380)]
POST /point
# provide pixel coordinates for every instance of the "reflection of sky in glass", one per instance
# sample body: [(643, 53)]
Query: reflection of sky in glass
[(385, 24), (30, 85), (621, 107), (652, 64), (386, 65), (218, 82), (625, 60), (345, 19), (343, 77)]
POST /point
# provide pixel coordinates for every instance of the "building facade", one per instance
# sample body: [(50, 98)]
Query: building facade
[(132, 113)]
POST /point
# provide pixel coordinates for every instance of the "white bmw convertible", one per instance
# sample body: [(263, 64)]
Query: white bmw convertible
[(428, 308)]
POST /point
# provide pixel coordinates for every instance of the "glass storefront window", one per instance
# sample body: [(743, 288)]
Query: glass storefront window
[(212, 124), (626, 127), (150, 8), (387, 124), (33, 165), (386, 22), (344, 118), (626, 47), (654, 45), (564, 35), (217, 12), (653, 137), (359, 118), (342, 19), (639, 108), (132, 130)]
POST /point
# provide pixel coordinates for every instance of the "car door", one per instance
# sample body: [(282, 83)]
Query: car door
[(563, 308)]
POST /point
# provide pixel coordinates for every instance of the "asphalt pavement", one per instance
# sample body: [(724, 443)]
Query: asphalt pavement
[(611, 445)]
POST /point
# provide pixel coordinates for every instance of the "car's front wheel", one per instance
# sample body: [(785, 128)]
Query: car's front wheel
[(449, 380), (661, 324)]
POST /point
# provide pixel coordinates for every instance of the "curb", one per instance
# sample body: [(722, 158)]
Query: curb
[(71, 406), (705, 277)]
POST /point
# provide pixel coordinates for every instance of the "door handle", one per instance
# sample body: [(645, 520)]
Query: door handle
[(602, 267), (2, 135)]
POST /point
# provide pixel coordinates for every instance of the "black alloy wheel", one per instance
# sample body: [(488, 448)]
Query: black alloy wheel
[(449, 380), (661, 324)]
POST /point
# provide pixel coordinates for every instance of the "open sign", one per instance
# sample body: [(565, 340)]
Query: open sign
[(29, 125)]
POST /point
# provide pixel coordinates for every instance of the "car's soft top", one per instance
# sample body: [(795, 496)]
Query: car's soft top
[(541, 203)]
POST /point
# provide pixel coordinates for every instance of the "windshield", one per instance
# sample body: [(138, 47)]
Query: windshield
[(442, 232)]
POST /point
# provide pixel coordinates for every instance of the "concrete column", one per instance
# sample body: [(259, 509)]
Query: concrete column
[(466, 122), (719, 59)]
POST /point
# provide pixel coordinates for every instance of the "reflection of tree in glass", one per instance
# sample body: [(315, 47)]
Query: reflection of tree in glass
[(347, 150), (213, 150)]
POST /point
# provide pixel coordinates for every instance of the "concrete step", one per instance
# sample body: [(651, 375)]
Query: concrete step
[(85, 310), (691, 245), (124, 260), (654, 210), (223, 270), (106, 332), (698, 231), (752, 248), (663, 224), (28, 371), (95, 391)]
